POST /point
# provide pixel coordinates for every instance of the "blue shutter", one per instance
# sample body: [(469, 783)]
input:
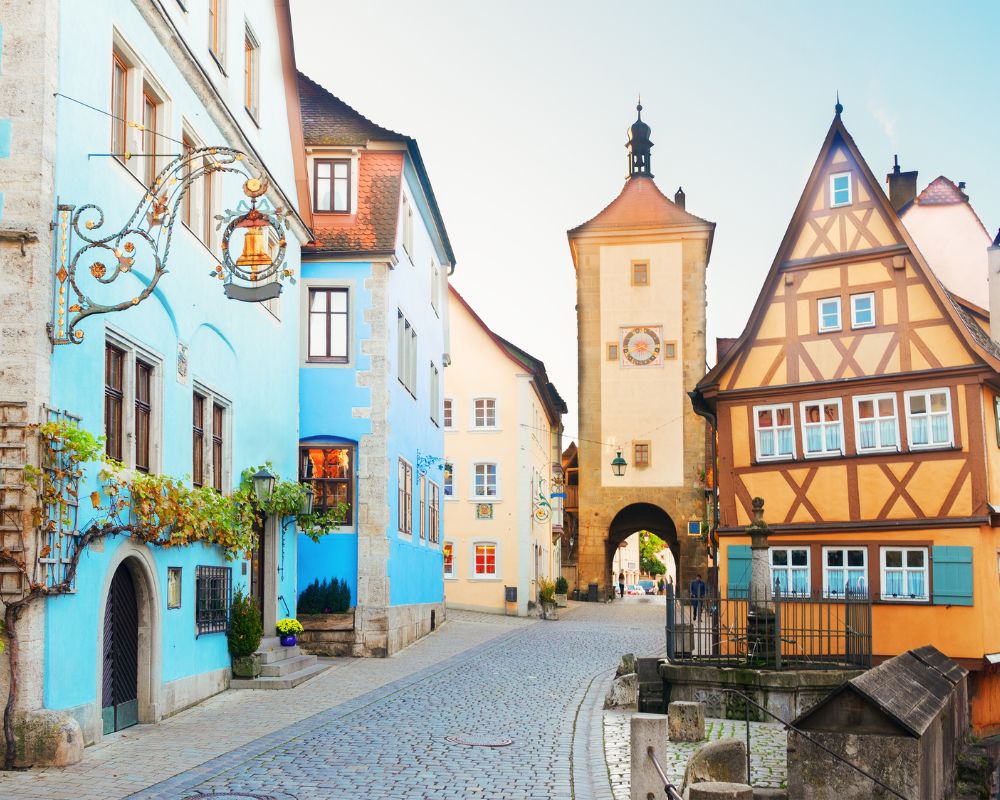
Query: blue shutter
[(952, 576), (738, 570)]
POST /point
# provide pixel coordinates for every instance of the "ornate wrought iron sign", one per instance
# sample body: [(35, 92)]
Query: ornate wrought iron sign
[(256, 275)]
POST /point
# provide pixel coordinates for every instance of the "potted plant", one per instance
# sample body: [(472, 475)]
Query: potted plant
[(562, 590), (288, 628), (547, 598), (244, 635)]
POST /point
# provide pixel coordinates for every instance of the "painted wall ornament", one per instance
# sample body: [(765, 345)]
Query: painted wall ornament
[(88, 259)]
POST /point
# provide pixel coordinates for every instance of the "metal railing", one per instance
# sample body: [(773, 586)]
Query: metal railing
[(668, 787), (775, 631)]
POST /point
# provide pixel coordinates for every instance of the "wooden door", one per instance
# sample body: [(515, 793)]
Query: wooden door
[(120, 703)]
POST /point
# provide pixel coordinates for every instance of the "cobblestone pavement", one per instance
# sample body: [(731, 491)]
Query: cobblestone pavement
[(377, 728), (767, 751)]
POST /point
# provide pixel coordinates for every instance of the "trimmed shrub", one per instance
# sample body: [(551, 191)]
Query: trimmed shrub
[(328, 597), (562, 587), (245, 626)]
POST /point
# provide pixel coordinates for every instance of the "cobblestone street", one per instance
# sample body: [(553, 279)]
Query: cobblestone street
[(379, 728)]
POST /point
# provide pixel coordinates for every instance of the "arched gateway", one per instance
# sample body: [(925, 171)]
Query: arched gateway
[(640, 267)]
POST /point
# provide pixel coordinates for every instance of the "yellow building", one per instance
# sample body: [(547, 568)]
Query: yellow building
[(861, 402), (503, 441)]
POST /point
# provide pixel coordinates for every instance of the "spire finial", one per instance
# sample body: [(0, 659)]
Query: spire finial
[(838, 108), (638, 106)]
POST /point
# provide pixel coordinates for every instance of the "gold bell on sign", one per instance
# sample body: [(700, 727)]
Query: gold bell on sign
[(254, 249)]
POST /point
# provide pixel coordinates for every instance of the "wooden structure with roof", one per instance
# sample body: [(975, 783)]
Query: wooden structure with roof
[(861, 402)]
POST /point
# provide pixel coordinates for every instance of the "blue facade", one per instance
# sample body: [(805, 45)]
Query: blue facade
[(238, 354)]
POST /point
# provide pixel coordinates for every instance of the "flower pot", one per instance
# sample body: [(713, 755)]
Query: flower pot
[(560, 600), (288, 640), (549, 611), (247, 666)]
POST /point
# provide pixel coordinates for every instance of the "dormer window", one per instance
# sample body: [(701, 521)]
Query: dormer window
[(332, 185), (840, 189)]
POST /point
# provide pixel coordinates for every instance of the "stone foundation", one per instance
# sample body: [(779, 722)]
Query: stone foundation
[(376, 634)]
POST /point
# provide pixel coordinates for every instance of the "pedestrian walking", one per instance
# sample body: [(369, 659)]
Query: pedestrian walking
[(621, 584), (698, 591)]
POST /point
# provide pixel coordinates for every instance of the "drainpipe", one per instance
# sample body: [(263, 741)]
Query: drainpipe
[(701, 408)]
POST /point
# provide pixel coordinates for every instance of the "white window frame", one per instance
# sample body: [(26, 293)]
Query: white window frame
[(214, 398), (449, 575), (865, 585), (406, 353), (909, 418), (422, 506), (407, 212), (448, 414), (905, 570), (833, 191), (819, 315), (486, 576), (825, 452), (406, 530), (880, 447), (774, 431), (254, 108), (136, 351), (496, 414), (807, 569), (855, 325), (488, 498), (221, 55)]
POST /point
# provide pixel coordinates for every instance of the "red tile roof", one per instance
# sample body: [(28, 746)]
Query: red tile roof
[(640, 205), (328, 120), (940, 192)]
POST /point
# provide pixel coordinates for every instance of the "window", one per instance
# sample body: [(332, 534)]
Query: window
[(407, 226), (187, 206), (774, 434), (422, 488), (198, 440), (486, 560), (114, 393), (448, 421), (928, 418), (640, 273), (904, 573), (150, 107), (612, 351), (822, 428), (330, 472), (485, 481), (449, 478), (877, 426), (641, 454), (406, 353), (212, 588), (332, 187), (217, 441), (217, 30), (405, 501), (119, 105), (434, 512), (173, 587), (435, 285), (435, 395), (449, 559), (840, 189), (328, 325), (207, 198), (670, 350), (485, 412), (845, 571), (143, 413), (829, 314), (251, 73), (790, 570), (863, 310)]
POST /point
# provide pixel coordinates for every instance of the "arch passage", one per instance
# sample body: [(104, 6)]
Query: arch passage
[(641, 517)]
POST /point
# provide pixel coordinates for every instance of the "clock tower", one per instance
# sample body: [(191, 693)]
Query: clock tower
[(640, 269)]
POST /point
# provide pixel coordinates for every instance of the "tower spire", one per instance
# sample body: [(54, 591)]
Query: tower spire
[(639, 145), (838, 108)]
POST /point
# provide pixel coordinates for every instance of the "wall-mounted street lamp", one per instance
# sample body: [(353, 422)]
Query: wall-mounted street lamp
[(263, 484), (306, 507), (618, 465)]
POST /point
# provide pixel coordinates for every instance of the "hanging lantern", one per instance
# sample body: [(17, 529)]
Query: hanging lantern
[(618, 465), (263, 484)]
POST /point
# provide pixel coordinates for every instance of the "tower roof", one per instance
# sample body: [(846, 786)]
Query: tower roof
[(640, 205), (639, 146)]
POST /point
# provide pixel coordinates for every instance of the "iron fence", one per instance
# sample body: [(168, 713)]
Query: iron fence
[(774, 631)]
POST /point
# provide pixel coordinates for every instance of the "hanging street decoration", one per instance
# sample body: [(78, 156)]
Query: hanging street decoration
[(87, 258), (543, 508)]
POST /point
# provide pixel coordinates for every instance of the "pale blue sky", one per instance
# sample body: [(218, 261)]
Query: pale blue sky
[(521, 109)]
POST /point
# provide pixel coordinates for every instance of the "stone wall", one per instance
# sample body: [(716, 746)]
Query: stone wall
[(816, 775)]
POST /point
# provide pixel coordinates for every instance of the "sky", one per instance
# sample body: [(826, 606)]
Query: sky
[(521, 110)]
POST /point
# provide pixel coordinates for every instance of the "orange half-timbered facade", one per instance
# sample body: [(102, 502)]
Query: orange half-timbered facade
[(861, 403)]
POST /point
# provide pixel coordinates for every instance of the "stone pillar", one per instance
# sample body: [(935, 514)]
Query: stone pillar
[(761, 628), (686, 721), (648, 731)]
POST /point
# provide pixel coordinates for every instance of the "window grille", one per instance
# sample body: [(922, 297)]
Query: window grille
[(212, 590)]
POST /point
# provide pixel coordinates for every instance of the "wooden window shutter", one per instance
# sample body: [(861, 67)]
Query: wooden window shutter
[(738, 570), (952, 576)]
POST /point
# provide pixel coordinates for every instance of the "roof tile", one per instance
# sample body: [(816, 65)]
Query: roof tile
[(640, 204)]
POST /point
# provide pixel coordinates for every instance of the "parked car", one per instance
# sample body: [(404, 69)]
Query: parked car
[(648, 586), (632, 589)]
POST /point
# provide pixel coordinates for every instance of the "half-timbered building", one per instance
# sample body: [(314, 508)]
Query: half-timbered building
[(861, 403)]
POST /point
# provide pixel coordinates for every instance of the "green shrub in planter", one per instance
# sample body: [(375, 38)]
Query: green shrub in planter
[(562, 587), (244, 634), (328, 597)]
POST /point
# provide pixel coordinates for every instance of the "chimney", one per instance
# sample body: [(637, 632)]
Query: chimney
[(902, 186), (679, 198), (993, 278)]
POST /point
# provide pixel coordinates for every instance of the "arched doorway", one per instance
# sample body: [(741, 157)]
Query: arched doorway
[(120, 680), (636, 518)]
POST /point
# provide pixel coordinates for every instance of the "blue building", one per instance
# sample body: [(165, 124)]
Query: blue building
[(374, 344), (186, 383)]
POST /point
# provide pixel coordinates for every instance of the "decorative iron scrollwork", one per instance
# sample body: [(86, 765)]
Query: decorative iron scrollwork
[(256, 275)]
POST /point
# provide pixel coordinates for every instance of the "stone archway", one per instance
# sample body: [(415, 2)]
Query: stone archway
[(641, 517)]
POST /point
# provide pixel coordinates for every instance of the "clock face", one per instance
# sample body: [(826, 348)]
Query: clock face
[(641, 346)]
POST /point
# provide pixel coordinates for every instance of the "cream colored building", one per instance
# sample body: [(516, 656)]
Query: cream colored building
[(503, 429)]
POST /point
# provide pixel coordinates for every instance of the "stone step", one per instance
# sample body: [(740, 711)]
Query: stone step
[(278, 669), (275, 654), (289, 681)]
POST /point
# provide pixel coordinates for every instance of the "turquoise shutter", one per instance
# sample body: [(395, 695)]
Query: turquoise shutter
[(738, 570), (952, 576)]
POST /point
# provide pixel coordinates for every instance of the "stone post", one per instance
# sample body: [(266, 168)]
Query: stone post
[(715, 790), (761, 631), (648, 731)]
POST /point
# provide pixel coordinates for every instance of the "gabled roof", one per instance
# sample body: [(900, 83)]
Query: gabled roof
[(569, 455), (328, 120), (967, 328), (640, 204), (941, 191)]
